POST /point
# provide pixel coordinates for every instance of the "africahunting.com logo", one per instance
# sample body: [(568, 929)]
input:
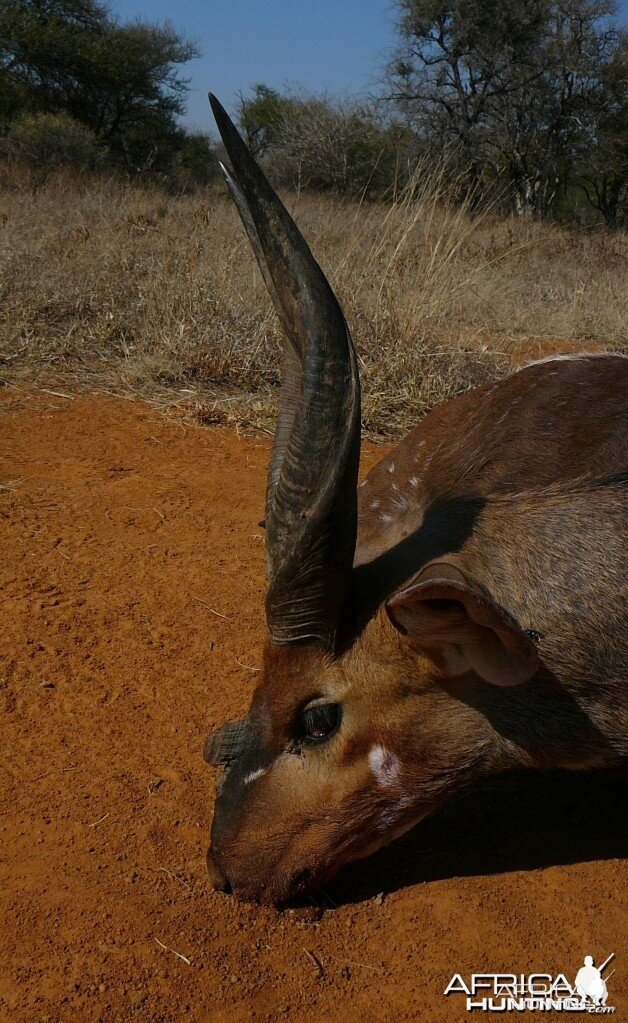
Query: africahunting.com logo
[(538, 992)]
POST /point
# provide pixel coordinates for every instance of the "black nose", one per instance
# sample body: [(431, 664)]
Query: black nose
[(218, 880)]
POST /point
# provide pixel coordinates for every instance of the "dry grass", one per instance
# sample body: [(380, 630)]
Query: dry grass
[(116, 286)]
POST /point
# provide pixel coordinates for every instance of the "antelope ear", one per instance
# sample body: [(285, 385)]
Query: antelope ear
[(227, 743), (454, 618)]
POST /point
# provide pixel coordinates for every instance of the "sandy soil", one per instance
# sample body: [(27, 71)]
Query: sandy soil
[(131, 621)]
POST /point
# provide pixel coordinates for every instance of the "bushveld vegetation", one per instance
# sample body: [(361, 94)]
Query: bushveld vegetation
[(79, 87), (525, 100), (121, 287), (456, 212)]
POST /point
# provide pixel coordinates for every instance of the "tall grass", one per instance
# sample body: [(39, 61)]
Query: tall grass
[(118, 286)]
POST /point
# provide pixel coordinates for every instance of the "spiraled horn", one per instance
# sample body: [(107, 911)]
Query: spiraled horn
[(311, 498)]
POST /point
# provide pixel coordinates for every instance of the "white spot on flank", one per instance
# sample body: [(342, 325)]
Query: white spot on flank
[(386, 518), (413, 481), (254, 775), (385, 766), (391, 467), (375, 504)]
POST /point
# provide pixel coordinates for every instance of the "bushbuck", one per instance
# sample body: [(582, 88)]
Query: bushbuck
[(459, 613)]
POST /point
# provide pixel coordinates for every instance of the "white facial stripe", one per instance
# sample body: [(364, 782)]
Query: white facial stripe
[(385, 766), (253, 775)]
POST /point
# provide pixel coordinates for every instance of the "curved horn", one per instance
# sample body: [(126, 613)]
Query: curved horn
[(311, 499)]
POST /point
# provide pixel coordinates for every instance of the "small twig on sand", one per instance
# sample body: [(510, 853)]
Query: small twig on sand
[(317, 963), (176, 876), (58, 394), (213, 611), (249, 667), (96, 823), (59, 770), (12, 484), (177, 954)]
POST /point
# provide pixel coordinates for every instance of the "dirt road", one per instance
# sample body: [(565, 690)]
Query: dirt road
[(131, 620)]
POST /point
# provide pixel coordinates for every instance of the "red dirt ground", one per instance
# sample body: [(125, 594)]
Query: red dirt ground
[(131, 623)]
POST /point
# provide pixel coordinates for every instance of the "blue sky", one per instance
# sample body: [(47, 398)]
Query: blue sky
[(333, 45)]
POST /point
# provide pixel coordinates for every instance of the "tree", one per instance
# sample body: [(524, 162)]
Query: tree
[(512, 87), (338, 146), (314, 142), (261, 116), (555, 124), (196, 162), (602, 167), (46, 142), (122, 81), (457, 59)]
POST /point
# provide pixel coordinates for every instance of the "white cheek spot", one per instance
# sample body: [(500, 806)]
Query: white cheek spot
[(254, 775), (385, 766)]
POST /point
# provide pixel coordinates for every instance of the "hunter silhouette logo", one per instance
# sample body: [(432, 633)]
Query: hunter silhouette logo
[(589, 981), (537, 992)]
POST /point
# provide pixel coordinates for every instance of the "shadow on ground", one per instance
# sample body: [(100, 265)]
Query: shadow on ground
[(522, 821)]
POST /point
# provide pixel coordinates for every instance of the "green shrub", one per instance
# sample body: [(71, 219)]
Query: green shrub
[(195, 164), (46, 142)]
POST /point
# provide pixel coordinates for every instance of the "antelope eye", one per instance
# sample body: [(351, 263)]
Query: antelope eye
[(319, 723)]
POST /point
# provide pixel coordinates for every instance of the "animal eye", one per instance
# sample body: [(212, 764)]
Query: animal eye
[(319, 722)]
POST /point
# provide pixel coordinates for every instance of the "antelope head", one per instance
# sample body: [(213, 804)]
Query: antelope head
[(337, 754)]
